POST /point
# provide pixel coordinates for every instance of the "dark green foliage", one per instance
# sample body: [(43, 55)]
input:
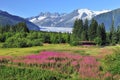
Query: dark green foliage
[(13, 42), (75, 28), (15, 73), (46, 37), (2, 38), (16, 36), (113, 34), (85, 30), (19, 40), (101, 34), (112, 62), (36, 42), (98, 41), (20, 27), (83, 36), (78, 28), (33, 39), (19, 36), (118, 34), (74, 43), (93, 30), (59, 38)]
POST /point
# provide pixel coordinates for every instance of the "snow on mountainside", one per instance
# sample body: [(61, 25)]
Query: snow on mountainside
[(88, 14), (64, 20)]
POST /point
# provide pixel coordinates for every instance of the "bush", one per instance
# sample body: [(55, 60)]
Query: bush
[(36, 42), (74, 43), (21, 42), (9, 43), (98, 41), (13, 42), (112, 62), (2, 38)]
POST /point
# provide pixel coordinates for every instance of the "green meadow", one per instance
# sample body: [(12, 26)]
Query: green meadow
[(82, 50)]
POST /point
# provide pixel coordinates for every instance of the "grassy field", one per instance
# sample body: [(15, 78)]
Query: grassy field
[(71, 66), (58, 47)]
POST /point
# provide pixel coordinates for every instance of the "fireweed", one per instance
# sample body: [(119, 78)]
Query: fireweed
[(85, 66)]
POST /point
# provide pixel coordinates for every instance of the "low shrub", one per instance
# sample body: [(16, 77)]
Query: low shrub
[(112, 62), (14, 42)]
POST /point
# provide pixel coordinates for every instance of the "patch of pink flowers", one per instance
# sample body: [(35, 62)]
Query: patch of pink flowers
[(86, 66)]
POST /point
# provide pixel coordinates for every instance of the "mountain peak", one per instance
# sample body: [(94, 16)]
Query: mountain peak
[(67, 19), (83, 9), (3, 12), (84, 14)]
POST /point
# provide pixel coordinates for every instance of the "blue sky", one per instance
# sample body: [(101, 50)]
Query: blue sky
[(28, 8)]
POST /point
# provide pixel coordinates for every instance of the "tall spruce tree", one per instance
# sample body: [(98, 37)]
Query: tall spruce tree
[(83, 36), (85, 30), (22, 27), (118, 34), (113, 35), (101, 33), (75, 30), (78, 28), (93, 30)]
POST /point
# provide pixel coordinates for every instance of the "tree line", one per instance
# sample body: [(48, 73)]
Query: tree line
[(85, 31), (20, 36)]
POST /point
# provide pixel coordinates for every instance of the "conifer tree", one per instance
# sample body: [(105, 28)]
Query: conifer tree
[(78, 28), (75, 28), (118, 34), (112, 36), (93, 30), (85, 29)]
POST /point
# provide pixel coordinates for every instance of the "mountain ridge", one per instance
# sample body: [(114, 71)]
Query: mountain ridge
[(108, 17), (66, 19), (7, 18)]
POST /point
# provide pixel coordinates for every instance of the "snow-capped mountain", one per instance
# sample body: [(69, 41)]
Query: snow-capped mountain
[(88, 14), (64, 20)]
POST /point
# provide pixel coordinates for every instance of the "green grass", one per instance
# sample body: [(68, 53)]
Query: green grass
[(21, 73), (53, 47)]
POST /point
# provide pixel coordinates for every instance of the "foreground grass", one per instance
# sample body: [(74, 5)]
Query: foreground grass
[(20, 73), (98, 52), (57, 47)]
